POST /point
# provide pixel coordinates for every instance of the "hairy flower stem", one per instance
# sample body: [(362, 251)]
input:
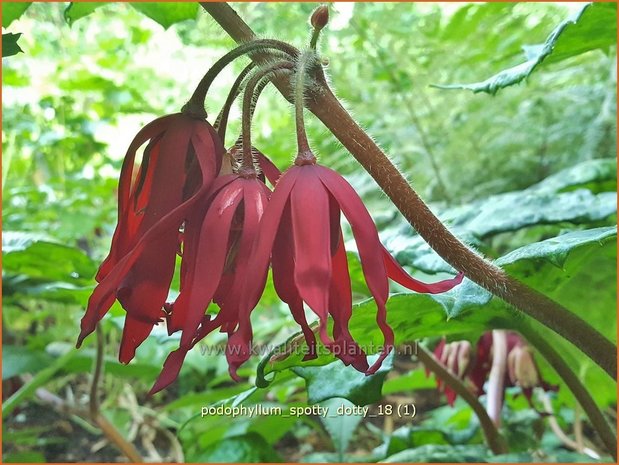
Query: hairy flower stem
[(328, 109), (257, 92), (303, 148), (221, 123), (195, 106), (248, 97), (573, 382), (237, 87), (494, 439)]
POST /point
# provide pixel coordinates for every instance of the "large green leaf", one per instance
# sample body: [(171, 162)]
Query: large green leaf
[(18, 360), (593, 27), (168, 13), (49, 261), (340, 424), (9, 45), (582, 194), (34, 265), (12, 11), (338, 380), (412, 436), (77, 10), (248, 448), (441, 454)]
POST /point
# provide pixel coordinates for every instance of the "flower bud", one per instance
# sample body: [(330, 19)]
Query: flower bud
[(320, 17)]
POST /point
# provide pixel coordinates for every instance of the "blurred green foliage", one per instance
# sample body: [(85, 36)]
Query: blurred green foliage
[(528, 177)]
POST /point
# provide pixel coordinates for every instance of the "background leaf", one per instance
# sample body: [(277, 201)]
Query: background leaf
[(340, 427), (77, 10), (594, 27), (248, 448), (338, 380), (168, 13), (12, 11), (9, 45)]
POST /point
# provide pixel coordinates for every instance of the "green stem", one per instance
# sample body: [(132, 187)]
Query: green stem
[(314, 39), (495, 441), (221, 123), (303, 148), (248, 98), (97, 373), (195, 106)]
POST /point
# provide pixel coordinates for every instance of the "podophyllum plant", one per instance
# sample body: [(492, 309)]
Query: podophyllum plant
[(192, 197)]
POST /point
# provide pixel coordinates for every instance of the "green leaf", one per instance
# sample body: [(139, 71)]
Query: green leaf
[(40, 379), (24, 457), (12, 11), (9, 45), (565, 268), (593, 27), (408, 437), (77, 10), (565, 197), (340, 425), (248, 448), (338, 380), (17, 360), (441, 454), (42, 262), (168, 13)]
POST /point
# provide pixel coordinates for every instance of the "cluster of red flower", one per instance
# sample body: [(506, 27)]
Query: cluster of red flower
[(229, 228)]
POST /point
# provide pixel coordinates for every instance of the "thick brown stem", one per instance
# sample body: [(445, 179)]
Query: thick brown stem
[(494, 439), (321, 101)]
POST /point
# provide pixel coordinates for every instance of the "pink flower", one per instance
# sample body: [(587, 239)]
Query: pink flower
[(521, 370), (300, 234), (456, 357), (179, 164), (217, 244)]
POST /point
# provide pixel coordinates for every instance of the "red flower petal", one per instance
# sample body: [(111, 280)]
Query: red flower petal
[(269, 169), (283, 280), (257, 270), (309, 206), (400, 276), (105, 293), (370, 251), (211, 257)]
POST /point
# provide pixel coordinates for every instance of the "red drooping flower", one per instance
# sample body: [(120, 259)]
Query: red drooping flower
[(178, 166), (300, 234), (218, 239), (522, 371)]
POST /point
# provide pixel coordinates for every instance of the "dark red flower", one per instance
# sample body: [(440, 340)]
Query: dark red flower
[(217, 243), (300, 233), (179, 164), (522, 371)]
